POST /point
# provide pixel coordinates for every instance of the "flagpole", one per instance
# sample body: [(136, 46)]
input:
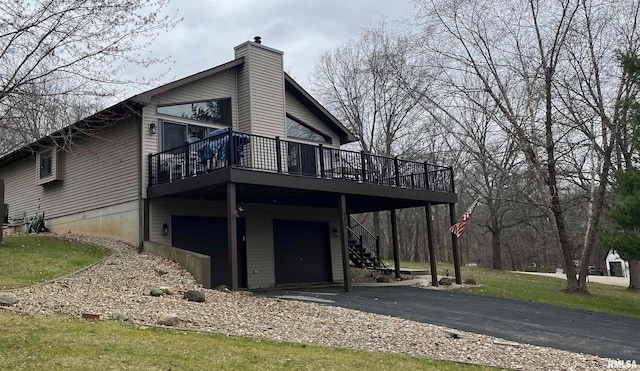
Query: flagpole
[(454, 244)]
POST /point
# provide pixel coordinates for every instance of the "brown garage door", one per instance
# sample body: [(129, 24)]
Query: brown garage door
[(302, 251)]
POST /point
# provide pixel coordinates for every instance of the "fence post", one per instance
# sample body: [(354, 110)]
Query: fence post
[(426, 175), (396, 168), (363, 164), (279, 154), (321, 157), (186, 155), (378, 247), (453, 185), (231, 147)]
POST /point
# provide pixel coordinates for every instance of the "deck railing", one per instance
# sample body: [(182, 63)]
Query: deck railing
[(276, 155)]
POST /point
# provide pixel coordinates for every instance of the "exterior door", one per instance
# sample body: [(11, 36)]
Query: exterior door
[(302, 251), (208, 236)]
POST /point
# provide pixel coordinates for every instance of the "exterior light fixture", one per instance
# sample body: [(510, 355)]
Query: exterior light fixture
[(165, 229), (153, 128)]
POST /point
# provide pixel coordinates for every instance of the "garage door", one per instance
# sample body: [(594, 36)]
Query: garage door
[(208, 236), (302, 251)]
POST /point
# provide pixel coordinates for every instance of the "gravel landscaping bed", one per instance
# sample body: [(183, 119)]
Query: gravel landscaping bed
[(120, 284)]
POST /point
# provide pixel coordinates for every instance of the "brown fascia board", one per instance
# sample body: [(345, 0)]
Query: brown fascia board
[(312, 104), (145, 98), (98, 120)]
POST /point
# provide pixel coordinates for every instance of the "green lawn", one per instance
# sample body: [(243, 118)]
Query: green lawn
[(26, 260), (511, 285), (59, 343), (34, 342)]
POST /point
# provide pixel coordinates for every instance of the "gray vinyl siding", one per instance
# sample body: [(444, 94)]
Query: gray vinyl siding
[(221, 85), (97, 172), (259, 221), (299, 111), (261, 90), (244, 93), (267, 93)]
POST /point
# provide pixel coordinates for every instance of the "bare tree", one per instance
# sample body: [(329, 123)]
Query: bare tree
[(56, 52), (546, 68)]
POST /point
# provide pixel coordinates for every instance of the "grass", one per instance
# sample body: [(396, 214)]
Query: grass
[(35, 342), (59, 343), (26, 260), (506, 284)]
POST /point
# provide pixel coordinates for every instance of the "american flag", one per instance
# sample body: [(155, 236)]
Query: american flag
[(459, 227)]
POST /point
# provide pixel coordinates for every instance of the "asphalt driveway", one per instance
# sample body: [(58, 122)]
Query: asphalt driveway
[(574, 330)]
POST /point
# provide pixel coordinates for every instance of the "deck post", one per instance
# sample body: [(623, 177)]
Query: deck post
[(454, 244), (231, 149), (426, 175), (321, 157), (394, 240), (432, 253), (232, 236), (363, 164), (344, 241), (279, 154), (396, 170)]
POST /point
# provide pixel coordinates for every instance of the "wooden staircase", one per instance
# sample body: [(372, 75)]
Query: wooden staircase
[(364, 247)]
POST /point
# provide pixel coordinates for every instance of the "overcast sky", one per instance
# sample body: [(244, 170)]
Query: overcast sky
[(302, 29)]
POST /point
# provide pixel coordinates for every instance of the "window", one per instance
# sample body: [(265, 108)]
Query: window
[(215, 111), (297, 130), (46, 164), (175, 135)]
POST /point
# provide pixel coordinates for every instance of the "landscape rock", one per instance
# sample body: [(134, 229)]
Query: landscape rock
[(446, 281), (193, 295), (169, 320), (383, 279), (7, 301), (156, 292), (423, 283), (120, 287), (222, 288), (119, 316), (167, 290)]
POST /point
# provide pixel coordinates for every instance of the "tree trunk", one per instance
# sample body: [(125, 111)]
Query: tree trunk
[(496, 250), (634, 275)]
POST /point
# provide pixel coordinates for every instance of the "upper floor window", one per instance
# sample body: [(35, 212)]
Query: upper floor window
[(295, 129), (216, 111)]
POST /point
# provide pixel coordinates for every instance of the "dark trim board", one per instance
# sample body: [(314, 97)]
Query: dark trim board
[(265, 187)]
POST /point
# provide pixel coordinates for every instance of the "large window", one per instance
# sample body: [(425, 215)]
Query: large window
[(216, 111), (175, 135), (297, 130)]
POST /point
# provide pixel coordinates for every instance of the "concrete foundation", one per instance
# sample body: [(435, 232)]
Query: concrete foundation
[(197, 264)]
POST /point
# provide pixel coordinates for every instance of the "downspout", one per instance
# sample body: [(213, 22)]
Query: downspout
[(141, 206)]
